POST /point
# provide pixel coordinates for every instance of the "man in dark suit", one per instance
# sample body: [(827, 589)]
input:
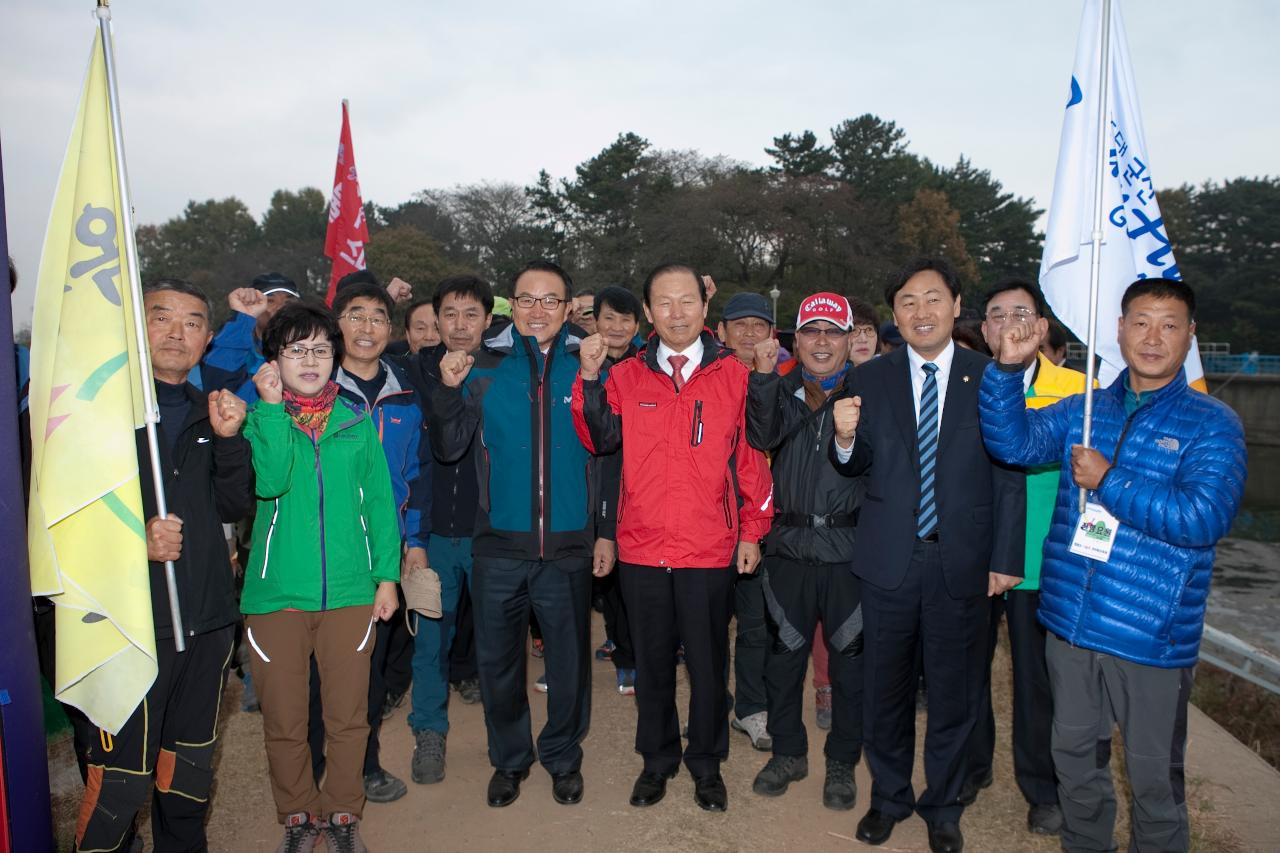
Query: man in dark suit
[(941, 530)]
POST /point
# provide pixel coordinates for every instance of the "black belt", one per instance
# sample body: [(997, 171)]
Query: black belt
[(932, 537), (798, 519)]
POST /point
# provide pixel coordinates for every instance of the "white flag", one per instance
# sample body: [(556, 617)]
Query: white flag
[(1135, 241)]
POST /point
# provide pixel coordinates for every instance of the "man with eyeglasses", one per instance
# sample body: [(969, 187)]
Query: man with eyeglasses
[(237, 347), (534, 537), (806, 575)]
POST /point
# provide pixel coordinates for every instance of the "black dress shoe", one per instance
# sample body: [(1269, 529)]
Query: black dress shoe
[(567, 787), (504, 786), (650, 788), (945, 837), (969, 790), (710, 794), (875, 827)]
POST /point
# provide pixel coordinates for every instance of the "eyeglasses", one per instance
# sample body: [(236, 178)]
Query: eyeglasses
[(361, 319), (1017, 315), (868, 332), (323, 352), (551, 303), (810, 333)]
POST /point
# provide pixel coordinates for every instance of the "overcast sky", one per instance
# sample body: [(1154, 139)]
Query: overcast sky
[(241, 98)]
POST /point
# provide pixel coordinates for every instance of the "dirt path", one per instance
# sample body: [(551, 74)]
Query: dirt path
[(453, 816)]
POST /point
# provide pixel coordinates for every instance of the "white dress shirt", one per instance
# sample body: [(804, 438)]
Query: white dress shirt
[(693, 352)]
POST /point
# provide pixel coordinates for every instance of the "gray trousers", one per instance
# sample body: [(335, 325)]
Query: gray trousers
[(1092, 692)]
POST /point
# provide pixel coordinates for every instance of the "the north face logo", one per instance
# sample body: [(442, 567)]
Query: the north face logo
[(1168, 443)]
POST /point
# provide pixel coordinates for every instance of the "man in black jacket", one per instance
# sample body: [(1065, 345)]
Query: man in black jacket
[(208, 480), (806, 575), (940, 530)]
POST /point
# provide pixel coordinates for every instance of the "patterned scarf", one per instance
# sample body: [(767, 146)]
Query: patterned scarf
[(312, 413)]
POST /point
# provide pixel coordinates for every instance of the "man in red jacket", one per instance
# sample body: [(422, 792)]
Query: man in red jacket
[(696, 501)]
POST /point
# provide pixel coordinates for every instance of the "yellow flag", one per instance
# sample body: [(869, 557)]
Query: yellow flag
[(86, 527)]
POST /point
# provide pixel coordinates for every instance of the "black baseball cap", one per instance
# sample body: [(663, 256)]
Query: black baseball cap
[(747, 305), (273, 282)]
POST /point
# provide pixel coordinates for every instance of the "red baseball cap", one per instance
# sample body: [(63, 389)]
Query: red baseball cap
[(831, 307)]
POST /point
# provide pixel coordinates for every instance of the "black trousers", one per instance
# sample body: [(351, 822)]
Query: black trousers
[(462, 654), (750, 645), (798, 595), (1032, 702), (668, 606), (617, 625), (952, 633), (504, 593), (171, 735)]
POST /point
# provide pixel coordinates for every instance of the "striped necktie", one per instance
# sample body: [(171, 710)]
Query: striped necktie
[(677, 363), (927, 442)]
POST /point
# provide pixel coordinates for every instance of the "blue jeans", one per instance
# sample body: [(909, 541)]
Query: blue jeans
[(451, 560)]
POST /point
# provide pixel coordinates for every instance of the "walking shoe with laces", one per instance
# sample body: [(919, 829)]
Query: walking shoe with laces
[(822, 703), (300, 834), (627, 682), (427, 766), (342, 834), (839, 791), (776, 776), (756, 727), (381, 787), (468, 690)]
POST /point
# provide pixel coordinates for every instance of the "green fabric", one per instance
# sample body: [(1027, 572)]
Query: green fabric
[(1133, 400), (296, 561), (1042, 494)]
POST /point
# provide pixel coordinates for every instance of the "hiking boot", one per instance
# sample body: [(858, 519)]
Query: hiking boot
[(342, 834), (468, 690), (822, 702), (1045, 819), (774, 778), (839, 791), (756, 727), (300, 834), (381, 787), (427, 766)]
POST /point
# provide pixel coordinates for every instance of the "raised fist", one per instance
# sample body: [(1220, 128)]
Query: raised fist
[(766, 355), (267, 381), (1019, 343), (400, 290), (454, 368), (591, 355), (247, 300), (845, 414), (710, 284), (226, 413)]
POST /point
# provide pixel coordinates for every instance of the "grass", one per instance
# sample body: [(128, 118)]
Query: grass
[(1250, 713)]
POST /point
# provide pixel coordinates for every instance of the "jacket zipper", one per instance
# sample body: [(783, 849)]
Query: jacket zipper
[(324, 568), (1088, 578)]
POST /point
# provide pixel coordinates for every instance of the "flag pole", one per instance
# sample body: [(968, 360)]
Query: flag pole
[(103, 13), (1095, 266)]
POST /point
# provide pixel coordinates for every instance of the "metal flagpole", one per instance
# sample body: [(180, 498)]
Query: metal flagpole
[(140, 330), (1095, 267)]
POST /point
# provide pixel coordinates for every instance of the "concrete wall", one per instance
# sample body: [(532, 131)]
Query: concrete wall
[(1256, 399)]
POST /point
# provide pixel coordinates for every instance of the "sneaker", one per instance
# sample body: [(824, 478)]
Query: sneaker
[(756, 727), (468, 690), (822, 700), (381, 787), (839, 791), (342, 834), (627, 682), (541, 684), (605, 652), (537, 647), (393, 701), (427, 766), (776, 776), (300, 834)]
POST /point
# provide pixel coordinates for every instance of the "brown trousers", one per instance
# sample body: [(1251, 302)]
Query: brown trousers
[(283, 642)]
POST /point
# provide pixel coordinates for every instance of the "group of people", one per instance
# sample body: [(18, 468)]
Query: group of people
[(874, 509)]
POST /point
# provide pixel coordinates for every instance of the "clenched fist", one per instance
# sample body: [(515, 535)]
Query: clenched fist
[(766, 355), (1019, 343), (164, 538), (267, 381), (845, 414), (400, 290), (454, 368), (247, 300), (591, 355), (226, 413)]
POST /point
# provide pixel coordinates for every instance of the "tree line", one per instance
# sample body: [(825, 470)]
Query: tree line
[(837, 214)]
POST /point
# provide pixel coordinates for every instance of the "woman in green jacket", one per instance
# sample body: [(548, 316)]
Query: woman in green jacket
[(324, 565)]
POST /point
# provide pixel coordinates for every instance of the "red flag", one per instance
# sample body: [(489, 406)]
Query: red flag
[(347, 235)]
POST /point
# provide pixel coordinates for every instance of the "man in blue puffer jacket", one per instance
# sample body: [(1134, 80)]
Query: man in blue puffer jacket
[(1165, 478)]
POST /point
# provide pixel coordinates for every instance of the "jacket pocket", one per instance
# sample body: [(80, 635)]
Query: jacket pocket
[(271, 529), (364, 526)]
